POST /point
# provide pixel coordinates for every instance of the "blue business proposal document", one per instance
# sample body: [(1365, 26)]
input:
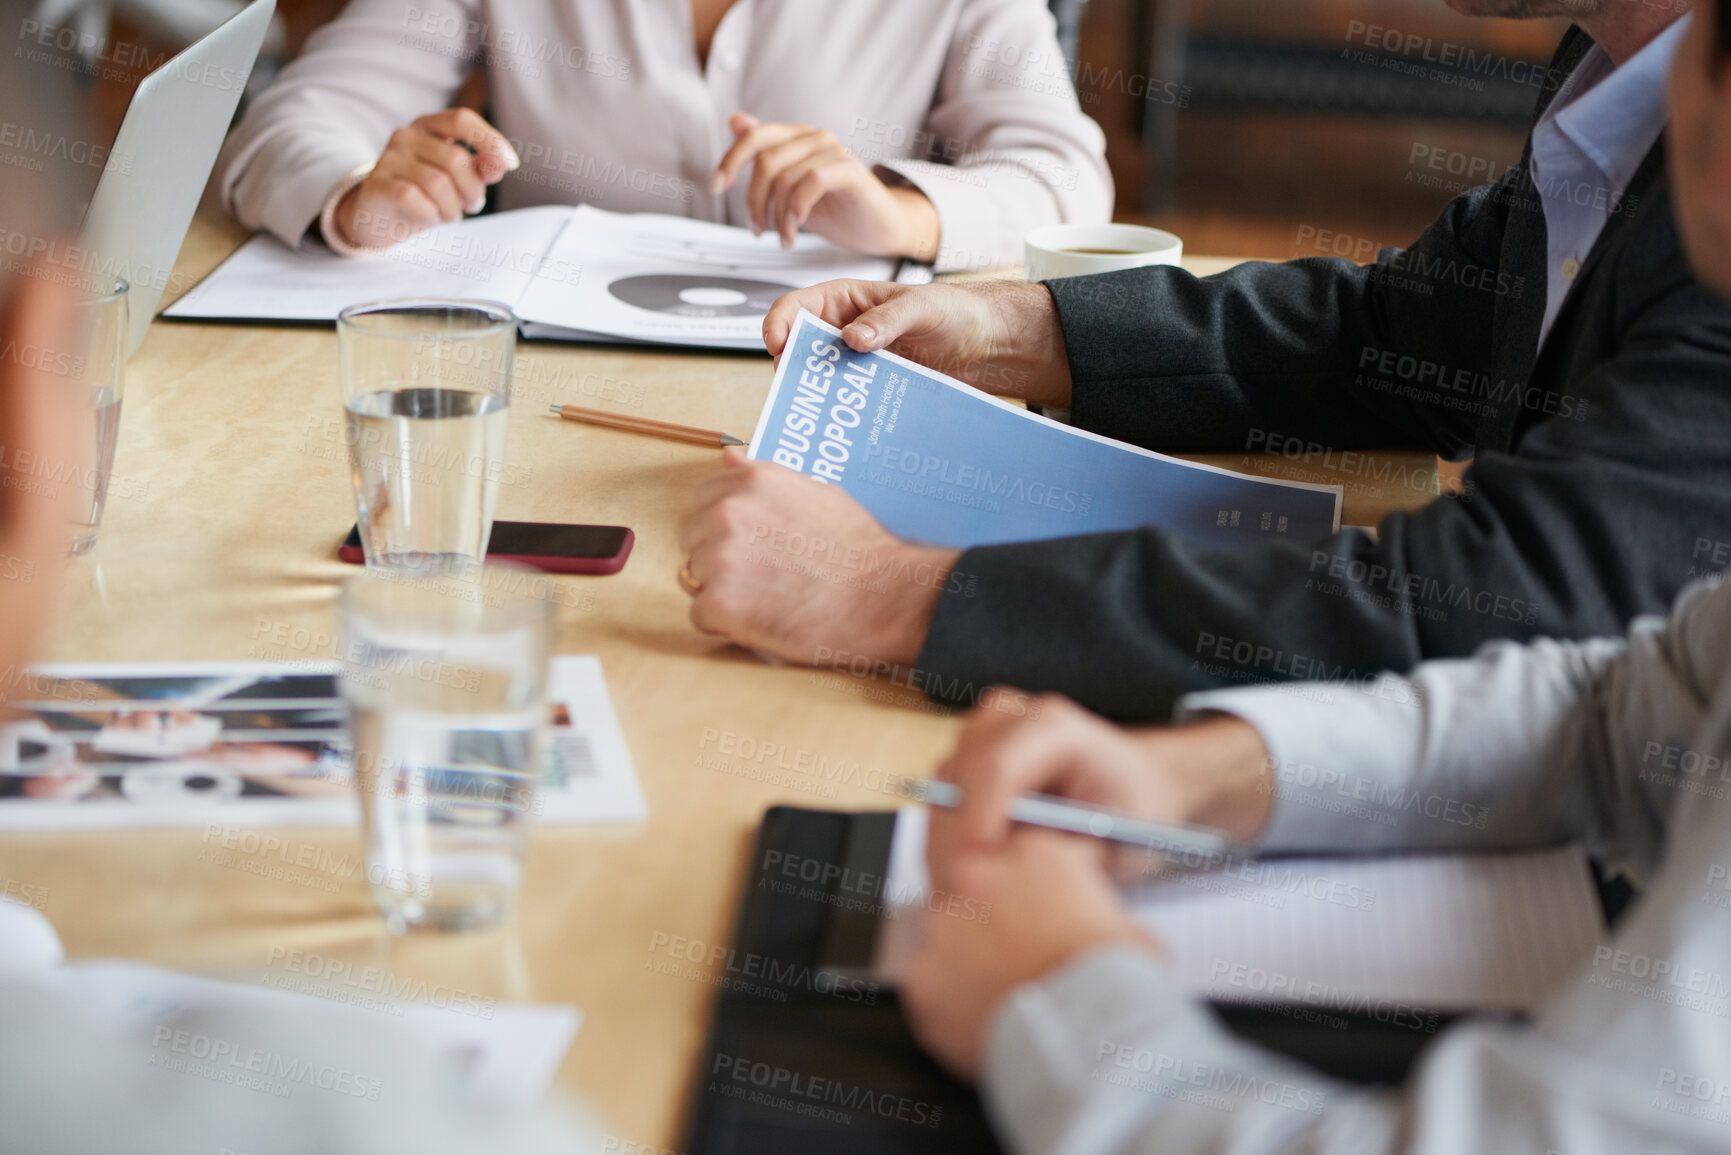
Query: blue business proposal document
[(939, 462)]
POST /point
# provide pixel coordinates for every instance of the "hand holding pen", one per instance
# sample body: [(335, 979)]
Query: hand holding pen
[(1196, 793), (1050, 896), (433, 171)]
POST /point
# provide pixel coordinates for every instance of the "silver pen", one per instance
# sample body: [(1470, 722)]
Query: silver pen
[(1075, 818)]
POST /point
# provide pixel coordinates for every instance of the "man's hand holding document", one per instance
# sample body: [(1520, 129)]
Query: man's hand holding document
[(936, 461), (912, 467)]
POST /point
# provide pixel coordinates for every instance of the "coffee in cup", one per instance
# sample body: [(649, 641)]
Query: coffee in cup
[(1076, 250)]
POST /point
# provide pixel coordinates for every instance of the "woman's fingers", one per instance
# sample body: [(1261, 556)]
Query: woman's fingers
[(493, 156), (770, 163), (435, 169), (390, 211), (746, 145), (797, 192), (454, 160), (439, 187)]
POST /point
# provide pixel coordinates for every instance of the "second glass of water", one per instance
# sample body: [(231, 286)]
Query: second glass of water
[(446, 683), (426, 395), (99, 377)]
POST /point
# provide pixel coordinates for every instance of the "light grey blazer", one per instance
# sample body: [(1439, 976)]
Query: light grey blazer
[(1622, 744)]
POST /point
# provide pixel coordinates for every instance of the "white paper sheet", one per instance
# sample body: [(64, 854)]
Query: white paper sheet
[(1432, 932), (650, 277), (508, 1056), (493, 257), (1443, 932), (256, 744), (599, 779)]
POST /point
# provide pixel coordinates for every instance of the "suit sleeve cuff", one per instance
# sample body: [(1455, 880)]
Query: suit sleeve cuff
[(1112, 333)]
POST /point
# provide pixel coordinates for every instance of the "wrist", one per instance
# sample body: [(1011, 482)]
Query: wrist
[(920, 230), (338, 235), (1119, 931), (1051, 353), (1227, 781), (336, 208), (1039, 368), (907, 599)]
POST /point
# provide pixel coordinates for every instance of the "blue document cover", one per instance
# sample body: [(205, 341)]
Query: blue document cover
[(939, 462)]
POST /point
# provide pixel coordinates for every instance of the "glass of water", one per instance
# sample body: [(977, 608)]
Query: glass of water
[(446, 682), (426, 395), (99, 377)]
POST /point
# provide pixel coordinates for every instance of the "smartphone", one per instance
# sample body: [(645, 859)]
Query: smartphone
[(540, 545)]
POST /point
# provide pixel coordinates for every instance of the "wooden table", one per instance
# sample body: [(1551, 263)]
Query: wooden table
[(229, 497)]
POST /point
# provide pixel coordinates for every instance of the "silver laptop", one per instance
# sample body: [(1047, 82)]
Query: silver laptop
[(162, 157)]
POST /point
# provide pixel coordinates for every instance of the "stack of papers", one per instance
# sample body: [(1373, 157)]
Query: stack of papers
[(570, 274)]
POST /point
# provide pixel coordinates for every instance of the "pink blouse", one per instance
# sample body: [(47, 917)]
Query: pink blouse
[(606, 104)]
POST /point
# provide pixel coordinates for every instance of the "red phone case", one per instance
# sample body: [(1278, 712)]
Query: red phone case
[(355, 555)]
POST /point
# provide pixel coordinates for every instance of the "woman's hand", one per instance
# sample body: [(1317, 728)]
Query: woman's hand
[(803, 177), (432, 171)]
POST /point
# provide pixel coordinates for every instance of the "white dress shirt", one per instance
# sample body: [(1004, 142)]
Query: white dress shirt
[(1588, 145), (1624, 745), (606, 104)]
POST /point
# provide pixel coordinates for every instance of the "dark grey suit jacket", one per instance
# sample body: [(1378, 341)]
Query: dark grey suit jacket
[(1601, 480)]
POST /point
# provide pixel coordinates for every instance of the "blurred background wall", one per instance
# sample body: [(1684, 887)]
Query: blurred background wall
[(1269, 128)]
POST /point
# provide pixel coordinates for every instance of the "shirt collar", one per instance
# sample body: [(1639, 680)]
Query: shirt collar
[(1613, 115)]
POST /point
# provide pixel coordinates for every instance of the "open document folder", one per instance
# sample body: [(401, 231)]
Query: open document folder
[(570, 274), (937, 461)]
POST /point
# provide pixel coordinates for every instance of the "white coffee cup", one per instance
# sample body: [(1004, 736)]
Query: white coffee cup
[(1063, 250)]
